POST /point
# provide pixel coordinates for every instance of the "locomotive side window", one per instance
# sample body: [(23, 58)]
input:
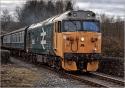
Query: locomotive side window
[(58, 26)]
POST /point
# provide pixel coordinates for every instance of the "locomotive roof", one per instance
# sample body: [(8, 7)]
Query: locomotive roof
[(50, 20), (80, 14)]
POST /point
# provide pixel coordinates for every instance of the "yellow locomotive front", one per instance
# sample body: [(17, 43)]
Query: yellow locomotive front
[(78, 42)]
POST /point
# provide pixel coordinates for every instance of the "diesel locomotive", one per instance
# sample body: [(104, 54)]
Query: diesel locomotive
[(69, 41)]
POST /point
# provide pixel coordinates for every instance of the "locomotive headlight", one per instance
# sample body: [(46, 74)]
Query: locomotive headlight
[(64, 37), (95, 49), (82, 39)]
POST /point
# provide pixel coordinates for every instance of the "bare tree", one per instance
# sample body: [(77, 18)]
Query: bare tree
[(6, 20), (59, 7), (112, 36), (36, 11), (69, 6)]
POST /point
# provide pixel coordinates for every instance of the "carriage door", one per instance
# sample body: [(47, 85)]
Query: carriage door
[(29, 42)]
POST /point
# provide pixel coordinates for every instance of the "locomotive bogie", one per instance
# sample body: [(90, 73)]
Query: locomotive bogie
[(92, 66)]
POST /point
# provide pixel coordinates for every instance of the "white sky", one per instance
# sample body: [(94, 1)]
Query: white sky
[(109, 7), (11, 5)]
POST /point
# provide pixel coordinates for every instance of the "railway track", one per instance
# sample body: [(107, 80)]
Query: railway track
[(93, 79), (97, 80), (109, 78), (89, 82)]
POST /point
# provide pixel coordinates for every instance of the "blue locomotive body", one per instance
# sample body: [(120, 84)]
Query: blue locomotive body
[(39, 39)]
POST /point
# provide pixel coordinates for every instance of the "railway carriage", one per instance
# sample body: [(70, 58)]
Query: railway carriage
[(71, 41), (14, 39)]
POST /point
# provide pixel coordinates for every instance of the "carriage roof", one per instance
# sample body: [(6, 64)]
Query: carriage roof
[(19, 30)]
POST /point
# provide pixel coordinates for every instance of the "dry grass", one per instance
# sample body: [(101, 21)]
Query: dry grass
[(12, 76)]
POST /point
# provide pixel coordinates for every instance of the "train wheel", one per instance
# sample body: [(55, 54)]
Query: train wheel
[(23, 55), (57, 64), (30, 58), (52, 64), (34, 61), (27, 57), (49, 63)]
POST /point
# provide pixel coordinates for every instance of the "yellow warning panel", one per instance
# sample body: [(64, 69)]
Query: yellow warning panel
[(69, 65), (92, 66)]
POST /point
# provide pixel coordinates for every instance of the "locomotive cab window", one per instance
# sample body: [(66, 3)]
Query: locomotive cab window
[(93, 26), (81, 25), (71, 25)]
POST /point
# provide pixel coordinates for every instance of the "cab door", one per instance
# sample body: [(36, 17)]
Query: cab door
[(55, 35)]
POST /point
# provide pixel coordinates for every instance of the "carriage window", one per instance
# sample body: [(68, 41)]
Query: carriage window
[(22, 36), (71, 26), (91, 26)]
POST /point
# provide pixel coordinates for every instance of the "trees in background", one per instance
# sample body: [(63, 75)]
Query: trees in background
[(112, 36), (69, 6), (7, 22), (33, 12), (59, 7), (36, 11), (6, 18)]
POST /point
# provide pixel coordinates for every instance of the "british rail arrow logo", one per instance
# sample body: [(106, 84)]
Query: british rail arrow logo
[(43, 34)]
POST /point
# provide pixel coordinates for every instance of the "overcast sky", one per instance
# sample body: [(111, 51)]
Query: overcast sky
[(109, 7)]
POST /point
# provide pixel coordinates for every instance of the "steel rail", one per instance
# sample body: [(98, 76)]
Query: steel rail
[(94, 84), (109, 78)]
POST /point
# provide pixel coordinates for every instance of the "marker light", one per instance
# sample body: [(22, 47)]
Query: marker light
[(82, 39), (74, 14), (88, 15)]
